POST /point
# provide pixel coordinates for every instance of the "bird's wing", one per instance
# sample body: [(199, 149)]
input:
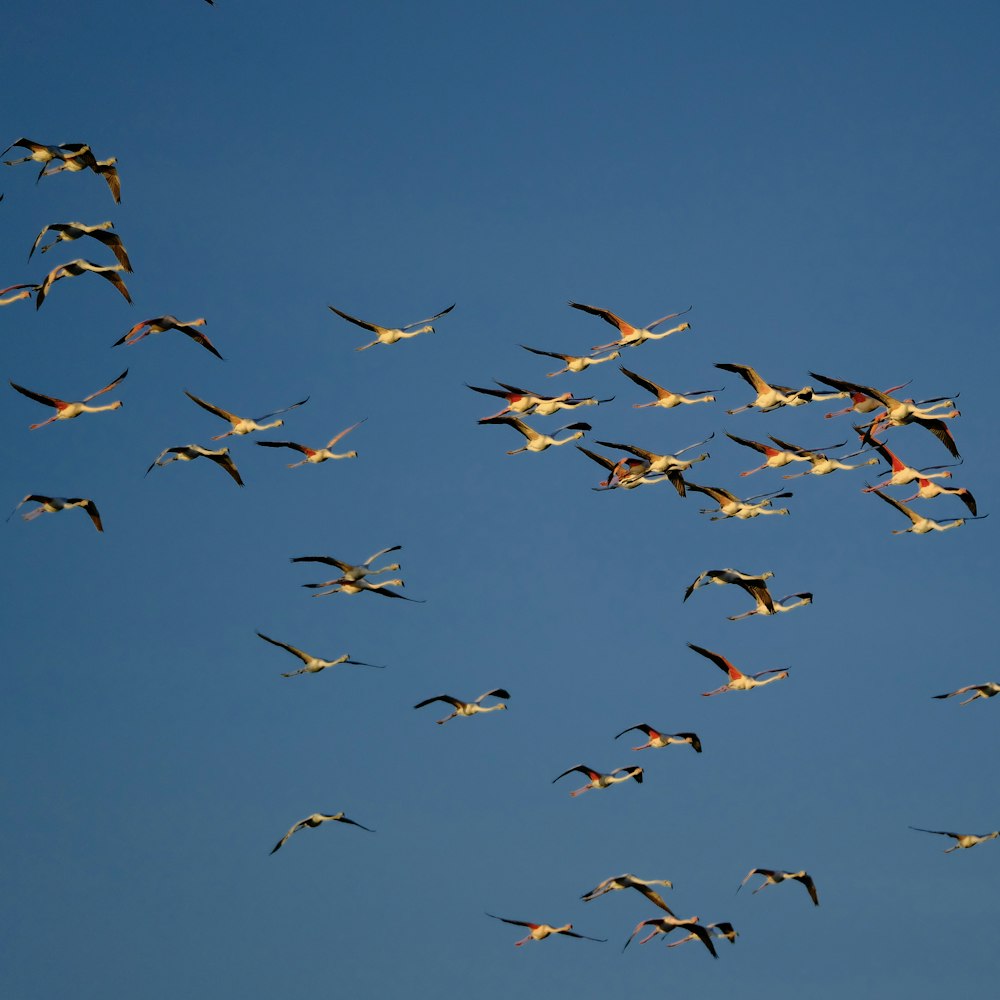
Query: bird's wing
[(114, 243), (652, 895), (217, 410), (37, 396), (704, 937), (391, 593), (107, 388), (548, 354), (642, 727), (692, 738), (900, 507), (582, 768), (943, 833), (583, 936), (344, 433), (304, 657), (694, 586), (607, 315), (91, 508), (499, 393), (344, 819), (517, 923), (285, 444), (284, 409), (663, 319), (940, 430), (519, 425), (760, 593), (773, 670), (495, 693), (794, 448), (440, 697), (720, 661), (38, 238), (645, 383), (381, 552), (409, 326), (225, 462), (884, 398), (359, 322), (199, 338), (807, 881), (298, 826), (328, 560), (756, 445), (599, 459), (639, 452), (748, 374)]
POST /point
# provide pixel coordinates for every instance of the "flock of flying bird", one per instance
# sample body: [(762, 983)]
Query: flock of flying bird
[(637, 467)]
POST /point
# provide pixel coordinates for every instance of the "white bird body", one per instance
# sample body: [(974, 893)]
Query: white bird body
[(731, 505), (663, 464), (73, 269), (919, 525), (67, 231), (668, 924), (657, 740), (666, 399), (963, 841), (770, 397), (988, 690)]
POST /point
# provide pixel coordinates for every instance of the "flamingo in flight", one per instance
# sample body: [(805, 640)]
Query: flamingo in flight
[(963, 840), (26, 291), (738, 681), (349, 570), (573, 362), (389, 335), (664, 925), (628, 335), (656, 739), (52, 505), (775, 458), (73, 269), (731, 505), (317, 819), (83, 158), (724, 929), (860, 403), (929, 490), (899, 412), (664, 397), (629, 473), (819, 463), (920, 525), (343, 585), (313, 664), (787, 603), (41, 153), (74, 230), (68, 410), (313, 456), (752, 583), (523, 401), (467, 708), (539, 932), (599, 780), (770, 397), (772, 877), (626, 881), (664, 463), (538, 442), (160, 324), (987, 690), (242, 425), (189, 452), (902, 474)]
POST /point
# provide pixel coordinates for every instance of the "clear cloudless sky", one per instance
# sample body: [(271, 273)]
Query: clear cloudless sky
[(818, 181)]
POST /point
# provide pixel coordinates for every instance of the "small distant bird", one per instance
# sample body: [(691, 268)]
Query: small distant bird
[(349, 570), (963, 840), (721, 930), (665, 925), (189, 452), (920, 525), (656, 739), (74, 269), (632, 336), (752, 583), (599, 780), (627, 881), (574, 363), (738, 681), (68, 410), (664, 397), (389, 335), (987, 690), (343, 585), (731, 505), (313, 664), (538, 442), (539, 932), (774, 877), (467, 707), (242, 425), (74, 230), (160, 324), (316, 819), (52, 505), (315, 455)]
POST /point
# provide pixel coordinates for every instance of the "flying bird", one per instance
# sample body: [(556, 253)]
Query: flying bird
[(389, 335), (52, 505), (774, 877), (41, 153), (628, 473), (538, 442), (987, 690), (242, 425), (160, 324), (664, 397), (627, 881), (656, 739), (665, 925), (632, 336), (313, 456), (738, 681), (664, 463), (467, 708), (352, 572), (820, 464), (539, 932), (68, 410), (731, 505), (189, 452), (74, 269), (775, 458), (343, 585), (920, 525), (723, 929), (26, 291), (573, 362), (928, 490), (83, 158), (317, 819), (599, 780), (313, 664), (770, 397), (963, 840), (74, 230), (752, 583)]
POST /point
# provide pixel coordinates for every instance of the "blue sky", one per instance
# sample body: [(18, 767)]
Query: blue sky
[(816, 182)]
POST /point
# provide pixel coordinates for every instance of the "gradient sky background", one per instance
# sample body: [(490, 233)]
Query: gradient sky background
[(818, 182)]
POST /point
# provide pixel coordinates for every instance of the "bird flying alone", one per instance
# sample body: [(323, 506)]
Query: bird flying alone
[(68, 410), (539, 932), (963, 840), (627, 881), (390, 335), (313, 664), (52, 505), (317, 819), (988, 690), (467, 708)]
